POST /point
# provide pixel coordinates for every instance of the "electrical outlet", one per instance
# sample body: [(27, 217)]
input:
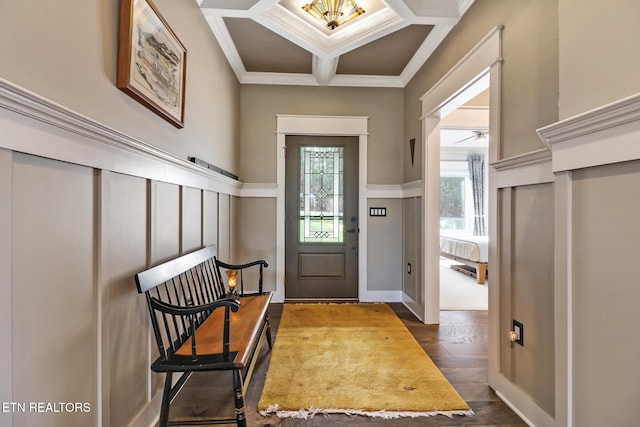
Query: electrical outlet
[(518, 331)]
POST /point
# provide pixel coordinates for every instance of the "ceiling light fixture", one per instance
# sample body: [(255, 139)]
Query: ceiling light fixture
[(480, 136), (333, 13)]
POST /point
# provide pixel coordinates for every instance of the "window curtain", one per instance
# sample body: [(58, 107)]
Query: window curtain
[(477, 175)]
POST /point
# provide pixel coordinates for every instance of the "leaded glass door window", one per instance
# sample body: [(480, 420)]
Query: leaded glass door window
[(321, 195)]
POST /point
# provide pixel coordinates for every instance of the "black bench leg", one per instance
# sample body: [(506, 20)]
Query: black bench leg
[(166, 401), (266, 320), (241, 420)]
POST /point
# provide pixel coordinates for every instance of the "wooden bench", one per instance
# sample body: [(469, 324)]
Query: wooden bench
[(199, 326)]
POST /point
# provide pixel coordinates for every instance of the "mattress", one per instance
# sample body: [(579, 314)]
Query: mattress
[(472, 248)]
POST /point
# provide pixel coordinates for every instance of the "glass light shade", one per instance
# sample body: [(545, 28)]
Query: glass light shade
[(333, 13), (231, 279)]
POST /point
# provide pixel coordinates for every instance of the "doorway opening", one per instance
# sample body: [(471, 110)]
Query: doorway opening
[(464, 149), (473, 74)]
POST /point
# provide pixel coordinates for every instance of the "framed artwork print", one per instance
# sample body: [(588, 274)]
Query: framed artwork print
[(152, 62)]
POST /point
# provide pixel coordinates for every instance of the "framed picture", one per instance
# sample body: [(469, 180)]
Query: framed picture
[(152, 62)]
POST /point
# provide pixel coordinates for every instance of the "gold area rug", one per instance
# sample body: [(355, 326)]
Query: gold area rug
[(356, 359)]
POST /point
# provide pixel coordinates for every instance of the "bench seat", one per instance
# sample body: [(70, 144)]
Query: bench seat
[(245, 324)]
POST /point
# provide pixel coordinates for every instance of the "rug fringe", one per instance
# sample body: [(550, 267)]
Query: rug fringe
[(387, 415)]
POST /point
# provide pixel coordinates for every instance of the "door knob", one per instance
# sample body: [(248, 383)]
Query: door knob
[(353, 230)]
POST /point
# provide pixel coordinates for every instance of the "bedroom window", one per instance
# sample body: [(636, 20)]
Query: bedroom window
[(452, 203)]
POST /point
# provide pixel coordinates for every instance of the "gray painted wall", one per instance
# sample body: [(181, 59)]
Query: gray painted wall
[(411, 239), (595, 69), (80, 73), (385, 149), (67, 52), (528, 101), (384, 247), (257, 235), (260, 104), (604, 214), (76, 327), (529, 75)]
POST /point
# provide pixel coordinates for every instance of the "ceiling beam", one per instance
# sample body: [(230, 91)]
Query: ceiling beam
[(324, 69)]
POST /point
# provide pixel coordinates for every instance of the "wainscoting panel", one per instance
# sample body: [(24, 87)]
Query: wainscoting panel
[(54, 294), (257, 236), (224, 227), (191, 227), (6, 267), (125, 325), (596, 159), (384, 248), (165, 222), (523, 287), (413, 291), (527, 290), (209, 218), (82, 209), (605, 294)]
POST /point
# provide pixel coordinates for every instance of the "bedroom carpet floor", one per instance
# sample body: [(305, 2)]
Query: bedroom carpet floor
[(459, 291), (458, 346)]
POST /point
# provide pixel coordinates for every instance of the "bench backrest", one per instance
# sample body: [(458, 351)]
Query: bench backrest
[(192, 279)]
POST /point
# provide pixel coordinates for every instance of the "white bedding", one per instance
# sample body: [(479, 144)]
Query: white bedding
[(472, 248)]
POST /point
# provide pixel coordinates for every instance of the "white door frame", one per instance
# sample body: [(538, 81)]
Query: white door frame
[(481, 65), (321, 126)]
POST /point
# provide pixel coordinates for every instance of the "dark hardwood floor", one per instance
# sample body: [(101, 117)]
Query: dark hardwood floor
[(458, 346)]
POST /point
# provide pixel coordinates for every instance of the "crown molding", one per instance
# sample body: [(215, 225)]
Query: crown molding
[(225, 41), (426, 49), (284, 79), (353, 80), (327, 48)]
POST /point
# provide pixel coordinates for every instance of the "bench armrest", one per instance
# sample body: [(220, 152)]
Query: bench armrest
[(242, 266), (191, 311), (181, 310)]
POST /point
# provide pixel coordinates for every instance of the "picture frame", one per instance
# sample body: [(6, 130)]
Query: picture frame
[(152, 61)]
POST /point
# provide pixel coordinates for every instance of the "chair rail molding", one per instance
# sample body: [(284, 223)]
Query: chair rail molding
[(525, 169), (597, 137), (99, 146)]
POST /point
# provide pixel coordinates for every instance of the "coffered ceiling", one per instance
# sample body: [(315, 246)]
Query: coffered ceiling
[(276, 42)]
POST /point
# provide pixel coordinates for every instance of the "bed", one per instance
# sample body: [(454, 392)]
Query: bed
[(472, 251)]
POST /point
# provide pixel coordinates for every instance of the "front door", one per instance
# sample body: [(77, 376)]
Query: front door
[(321, 226)]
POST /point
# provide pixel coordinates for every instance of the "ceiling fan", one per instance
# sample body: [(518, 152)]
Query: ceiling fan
[(478, 136)]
